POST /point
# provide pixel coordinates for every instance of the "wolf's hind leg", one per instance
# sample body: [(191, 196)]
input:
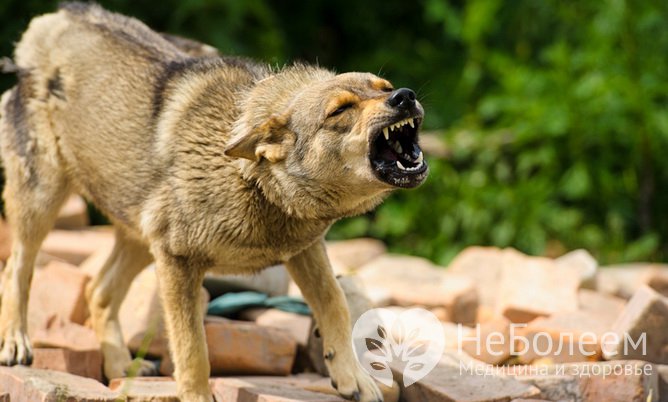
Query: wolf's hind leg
[(105, 295), (35, 189)]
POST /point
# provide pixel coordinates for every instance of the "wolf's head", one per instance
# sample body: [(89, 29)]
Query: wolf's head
[(342, 141)]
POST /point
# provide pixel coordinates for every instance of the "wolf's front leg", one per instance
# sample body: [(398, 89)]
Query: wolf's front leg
[(313, 274), (180, 280)]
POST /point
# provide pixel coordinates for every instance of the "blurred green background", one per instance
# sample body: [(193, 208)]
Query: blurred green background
[(553, 115)]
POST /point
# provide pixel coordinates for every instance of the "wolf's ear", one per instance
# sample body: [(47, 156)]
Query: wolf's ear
[(271, 141)]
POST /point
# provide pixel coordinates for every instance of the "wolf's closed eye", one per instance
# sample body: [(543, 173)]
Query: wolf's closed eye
[(340, 110)]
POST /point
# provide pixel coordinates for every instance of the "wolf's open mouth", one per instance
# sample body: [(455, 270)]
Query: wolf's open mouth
[(395, 155)]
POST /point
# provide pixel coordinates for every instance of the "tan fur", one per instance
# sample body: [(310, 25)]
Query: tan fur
[(201, 163)]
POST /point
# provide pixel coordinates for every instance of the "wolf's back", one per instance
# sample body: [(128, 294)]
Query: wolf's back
[(77, 28)]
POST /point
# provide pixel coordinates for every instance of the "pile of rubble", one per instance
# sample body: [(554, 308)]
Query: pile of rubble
[(515, 327)]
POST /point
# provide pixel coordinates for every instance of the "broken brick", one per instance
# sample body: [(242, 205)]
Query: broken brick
[(645, 316), (239, 347), (84, 363), (154, 389), (25, 384), (532, 287), (413, 281), (57, 289)]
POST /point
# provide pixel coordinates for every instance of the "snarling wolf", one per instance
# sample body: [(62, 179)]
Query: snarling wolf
[(202, 162)]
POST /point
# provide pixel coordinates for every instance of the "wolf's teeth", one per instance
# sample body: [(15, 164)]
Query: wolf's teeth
[(412, 123), (400, 166), (397, 147), (420, 158), (386, 134)]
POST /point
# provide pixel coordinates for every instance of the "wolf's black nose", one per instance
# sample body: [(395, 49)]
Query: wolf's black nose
[(402, 98)]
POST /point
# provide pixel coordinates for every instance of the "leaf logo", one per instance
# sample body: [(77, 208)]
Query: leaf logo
[(410, 342)]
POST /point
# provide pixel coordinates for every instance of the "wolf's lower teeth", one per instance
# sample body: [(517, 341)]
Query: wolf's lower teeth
[(409, 169), (397, 147)]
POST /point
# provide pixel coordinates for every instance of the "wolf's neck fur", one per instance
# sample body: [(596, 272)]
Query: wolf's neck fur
[(303, 199)]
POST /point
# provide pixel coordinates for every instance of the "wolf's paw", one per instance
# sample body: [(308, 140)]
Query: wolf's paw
[(141, 368), (15, 348), (120, 365), (352, 382), (204, 396)]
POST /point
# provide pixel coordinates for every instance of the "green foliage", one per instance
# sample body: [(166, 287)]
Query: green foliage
[(554, 113), (561, 142)]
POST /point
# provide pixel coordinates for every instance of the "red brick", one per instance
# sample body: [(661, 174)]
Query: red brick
[(25, 384), (454, 336), (530, 400), (73, 214), (450, 383), (59, 333), (496, 335), (582, 264), (349, 255), (299, 326), (483, 266), (266, 389), (624, 280), (316, 383), (415, 281), (532, 287), (554, 387), (616, 387), (154, 389), (575, 337), (614, 381), (84, 363), (605, 307), (663, 380), (646, 314), (57, 289), (239, 347), (485, 314), (74, 246)]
